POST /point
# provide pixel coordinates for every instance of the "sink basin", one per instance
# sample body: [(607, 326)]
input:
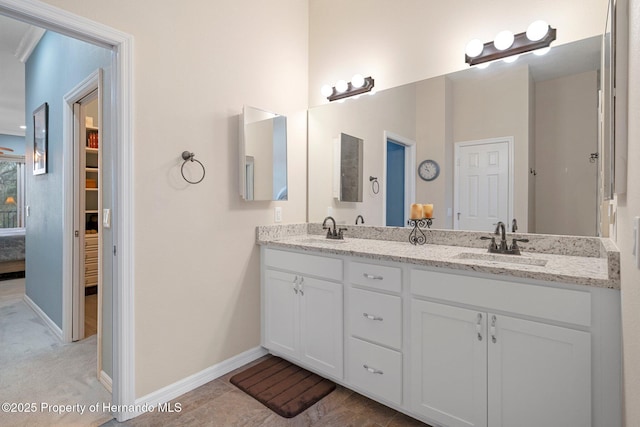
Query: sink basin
[(507, 259), (320, 239)]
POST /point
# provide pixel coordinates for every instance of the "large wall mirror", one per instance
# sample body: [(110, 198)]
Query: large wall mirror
[(263, 155), (540, 112)]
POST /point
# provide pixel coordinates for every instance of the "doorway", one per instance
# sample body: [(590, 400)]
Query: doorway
[(121, 184), (483, 185), (87, 180), (400, 180)]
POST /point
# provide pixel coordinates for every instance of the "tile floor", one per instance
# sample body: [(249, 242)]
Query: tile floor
[(220, 404)]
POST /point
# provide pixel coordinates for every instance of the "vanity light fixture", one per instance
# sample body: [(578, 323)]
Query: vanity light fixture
[(539, 35), (358, 85)]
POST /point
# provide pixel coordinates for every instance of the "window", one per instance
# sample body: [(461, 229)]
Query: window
[(11, 192)]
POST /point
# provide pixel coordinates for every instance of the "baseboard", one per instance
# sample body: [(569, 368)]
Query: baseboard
[(46, 319), (105, 380), (194, 381)]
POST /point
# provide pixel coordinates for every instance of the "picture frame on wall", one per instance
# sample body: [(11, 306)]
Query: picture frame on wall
[(40, 139)]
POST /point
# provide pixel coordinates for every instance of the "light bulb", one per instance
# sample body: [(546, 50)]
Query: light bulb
[(357, 81), (542, 51), (474, 48), (341, 86), (537, 30), (503, 40), (510, 59), (326, 91)]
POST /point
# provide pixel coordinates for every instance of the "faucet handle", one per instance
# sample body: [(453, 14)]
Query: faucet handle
[(521, 240), (340, 230), (492, 246)]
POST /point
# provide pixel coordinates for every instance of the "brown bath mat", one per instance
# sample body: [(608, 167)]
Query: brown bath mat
[(283, 387)]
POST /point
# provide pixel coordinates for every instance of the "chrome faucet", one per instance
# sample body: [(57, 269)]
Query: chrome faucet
[(359, 217), (500, 228), (333, 234), (503, 247)]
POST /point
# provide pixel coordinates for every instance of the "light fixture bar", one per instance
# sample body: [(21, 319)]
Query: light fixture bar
[(521, 44), (352, 91)]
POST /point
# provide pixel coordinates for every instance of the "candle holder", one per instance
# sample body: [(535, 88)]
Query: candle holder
[(417, 236)]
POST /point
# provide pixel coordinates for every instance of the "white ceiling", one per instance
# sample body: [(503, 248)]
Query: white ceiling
[(12, 96)]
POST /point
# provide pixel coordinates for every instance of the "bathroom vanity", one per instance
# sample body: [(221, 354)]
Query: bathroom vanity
[(449, 334)]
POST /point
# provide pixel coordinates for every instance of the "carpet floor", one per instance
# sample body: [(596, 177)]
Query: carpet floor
[(36, 367)]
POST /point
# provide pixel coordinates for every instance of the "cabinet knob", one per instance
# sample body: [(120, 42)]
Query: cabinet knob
[(372, 370)]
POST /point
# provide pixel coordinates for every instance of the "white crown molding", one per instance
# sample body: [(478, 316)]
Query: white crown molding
[(12, 132), (29, 42)]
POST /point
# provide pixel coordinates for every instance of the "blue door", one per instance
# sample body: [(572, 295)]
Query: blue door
[(395, 184)]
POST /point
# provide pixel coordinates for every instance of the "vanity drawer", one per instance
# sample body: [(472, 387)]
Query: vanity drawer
[(376, 276), (561, 305), (376, 369), (312, 265), (376, 317)]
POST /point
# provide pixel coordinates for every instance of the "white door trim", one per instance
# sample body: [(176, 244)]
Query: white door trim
[(121, 44), (84, 88), (409, 171), (456, 179)]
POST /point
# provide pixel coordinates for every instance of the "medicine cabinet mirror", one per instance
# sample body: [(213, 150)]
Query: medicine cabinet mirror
[(348, 163), (263, 155)]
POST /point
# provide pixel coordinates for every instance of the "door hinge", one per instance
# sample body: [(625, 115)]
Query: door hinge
[(76, 233), (114, 250)]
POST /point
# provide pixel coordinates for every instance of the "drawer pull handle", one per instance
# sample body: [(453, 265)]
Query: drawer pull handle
[(372, 370), (372, 276), (479, 327), (372, 317), (493, 329)]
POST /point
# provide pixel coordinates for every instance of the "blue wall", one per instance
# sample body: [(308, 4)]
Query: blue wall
[(17, 143), (57, 65)]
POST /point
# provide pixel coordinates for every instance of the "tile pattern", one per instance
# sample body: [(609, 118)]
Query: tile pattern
[(220, 403), (575, 260)]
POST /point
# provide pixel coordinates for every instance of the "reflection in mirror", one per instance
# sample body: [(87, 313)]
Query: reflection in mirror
[(348, 168), (263, 155), (547, 105)]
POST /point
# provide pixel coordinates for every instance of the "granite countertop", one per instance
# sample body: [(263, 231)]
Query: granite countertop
[(591, 270)]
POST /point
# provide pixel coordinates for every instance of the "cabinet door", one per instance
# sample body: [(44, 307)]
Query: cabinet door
[(281, 314), (539, 375), (321, 323), (449, 364)]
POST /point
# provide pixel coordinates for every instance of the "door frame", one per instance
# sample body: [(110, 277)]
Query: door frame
[(72, 298), (456, 174), (409, 171), (121, 127)]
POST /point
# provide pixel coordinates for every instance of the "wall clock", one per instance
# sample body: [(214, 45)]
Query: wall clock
[(429, 170)]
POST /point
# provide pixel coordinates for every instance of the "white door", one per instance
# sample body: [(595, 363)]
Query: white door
[(539, 375), (321, 321), (449, 364), (282, 330), (483, 190)]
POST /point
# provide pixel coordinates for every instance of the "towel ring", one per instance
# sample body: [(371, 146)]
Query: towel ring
[(188, 156), (375, 185)]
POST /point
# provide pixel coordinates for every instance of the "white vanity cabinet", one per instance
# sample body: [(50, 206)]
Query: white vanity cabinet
[(448, 347), (302, 309), (483, 367), (374, 313)]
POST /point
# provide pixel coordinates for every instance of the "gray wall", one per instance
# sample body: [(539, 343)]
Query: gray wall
[(56, 66), (14, 142)]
